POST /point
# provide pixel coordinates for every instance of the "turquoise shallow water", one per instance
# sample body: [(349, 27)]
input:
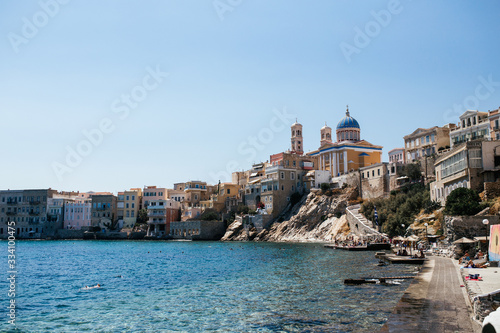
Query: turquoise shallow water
[(195, 287)]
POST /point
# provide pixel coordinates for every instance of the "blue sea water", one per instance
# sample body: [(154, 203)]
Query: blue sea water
[(194, 287)]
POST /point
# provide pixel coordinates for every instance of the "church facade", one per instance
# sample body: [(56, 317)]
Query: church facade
[(349, 152)]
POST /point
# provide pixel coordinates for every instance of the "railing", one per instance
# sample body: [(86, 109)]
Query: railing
[(156, 214), (10, 213), (34, 202), (11, 202), (195, 188), (157, 222), (31, 212)]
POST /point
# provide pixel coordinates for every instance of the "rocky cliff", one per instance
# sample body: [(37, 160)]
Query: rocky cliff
[(317, 217)]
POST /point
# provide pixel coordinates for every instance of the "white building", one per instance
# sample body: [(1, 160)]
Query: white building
[(473, 125)]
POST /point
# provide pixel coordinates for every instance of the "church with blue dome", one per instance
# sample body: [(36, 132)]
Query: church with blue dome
[(349, 152)]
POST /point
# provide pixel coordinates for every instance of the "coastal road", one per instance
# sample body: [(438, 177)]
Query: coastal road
[(434, 302)]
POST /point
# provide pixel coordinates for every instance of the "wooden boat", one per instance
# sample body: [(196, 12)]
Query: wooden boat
[(405, 260)]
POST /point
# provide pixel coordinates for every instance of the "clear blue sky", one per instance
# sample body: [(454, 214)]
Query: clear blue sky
[(65, 69)]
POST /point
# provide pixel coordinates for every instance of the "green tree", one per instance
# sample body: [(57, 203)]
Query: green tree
[(209, 215), (412, 171), (463, 201), (242, 209), (112, 225), (142, 216), (400, 208)]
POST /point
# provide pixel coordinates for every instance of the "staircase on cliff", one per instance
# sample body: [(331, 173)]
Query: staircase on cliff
[(359, 223)]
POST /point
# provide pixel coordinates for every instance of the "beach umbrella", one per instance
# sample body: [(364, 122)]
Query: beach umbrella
[(398, 238), (413, 238), (464, 240)]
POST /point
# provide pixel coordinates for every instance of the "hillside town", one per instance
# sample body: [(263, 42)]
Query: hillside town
[(455, 155)]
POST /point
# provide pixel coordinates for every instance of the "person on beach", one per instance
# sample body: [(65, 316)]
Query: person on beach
[(465, 258)]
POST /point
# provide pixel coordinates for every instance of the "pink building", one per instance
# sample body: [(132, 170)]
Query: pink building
[(77, 214), (153, 193)]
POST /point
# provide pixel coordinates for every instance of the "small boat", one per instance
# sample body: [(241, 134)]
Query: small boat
[(406, 260)]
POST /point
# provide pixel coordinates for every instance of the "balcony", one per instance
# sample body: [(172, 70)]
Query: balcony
[(100, 209), (34, 202), (157, 221), (162, 214), (52, 218), (32, 212), (10, 213), (273, 169), (307, 165), (11, 202), (190, 188)]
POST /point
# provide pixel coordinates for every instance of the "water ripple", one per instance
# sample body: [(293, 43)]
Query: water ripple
[(197, 287)]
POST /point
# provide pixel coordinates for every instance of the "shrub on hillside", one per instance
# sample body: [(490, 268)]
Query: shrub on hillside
[(209, 215), (431, 206), (463, 201), (398, 209), (324, 187)]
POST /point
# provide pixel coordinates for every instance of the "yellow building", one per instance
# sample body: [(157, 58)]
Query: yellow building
[(349, 152), (222, 192), (132, 200)]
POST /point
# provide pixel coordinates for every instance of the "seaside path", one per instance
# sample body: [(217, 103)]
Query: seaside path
[(434, 302)]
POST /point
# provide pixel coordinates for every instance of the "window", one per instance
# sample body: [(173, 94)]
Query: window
[(292, 176), (378, 172), (126, 205), (127, 197), (294, 163), (282, 175), (133, 205)]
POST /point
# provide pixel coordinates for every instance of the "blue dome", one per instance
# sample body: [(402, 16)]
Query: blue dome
[(348, 122)]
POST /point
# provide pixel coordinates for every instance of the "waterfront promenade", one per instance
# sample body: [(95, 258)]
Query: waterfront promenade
[(434, 302)]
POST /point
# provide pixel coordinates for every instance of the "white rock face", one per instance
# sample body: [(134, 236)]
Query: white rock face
[(321, 218)]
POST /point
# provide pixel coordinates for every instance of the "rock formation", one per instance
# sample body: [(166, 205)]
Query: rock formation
[(318, 217)]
